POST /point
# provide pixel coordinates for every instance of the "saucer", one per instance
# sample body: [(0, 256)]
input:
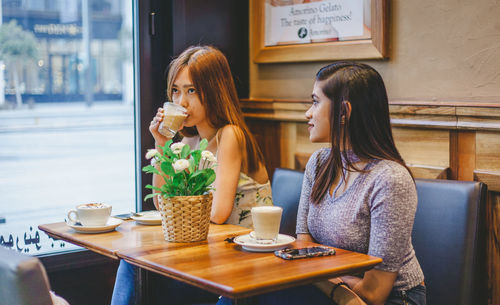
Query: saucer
[(249, 244), (147, 218), (110, 226)]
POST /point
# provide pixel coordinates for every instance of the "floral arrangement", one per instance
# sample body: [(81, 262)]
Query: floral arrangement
[(186, 172)]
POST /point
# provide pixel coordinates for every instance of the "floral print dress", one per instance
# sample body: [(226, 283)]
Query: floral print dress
[(249, 194)]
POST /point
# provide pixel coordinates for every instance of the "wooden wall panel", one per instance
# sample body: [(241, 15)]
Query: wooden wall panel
[(488, 151), (462, 155), (487, 168), (429, 172), (423, 146), (267, 134), (288, 142)]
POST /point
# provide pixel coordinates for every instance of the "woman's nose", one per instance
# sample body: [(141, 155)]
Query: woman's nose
[(183, 101), (308, 113)]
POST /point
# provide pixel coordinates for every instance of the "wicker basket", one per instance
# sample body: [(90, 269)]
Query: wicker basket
[(185, 218)]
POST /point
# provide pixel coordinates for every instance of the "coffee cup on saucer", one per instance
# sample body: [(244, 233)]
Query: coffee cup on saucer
[(266, 223), (90, 214)]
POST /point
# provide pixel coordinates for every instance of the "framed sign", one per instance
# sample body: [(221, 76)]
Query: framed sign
[(319, 30)]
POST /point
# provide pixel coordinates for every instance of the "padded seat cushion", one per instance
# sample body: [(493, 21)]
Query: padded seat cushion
[(449, 240), (23, 280), (286, 187)]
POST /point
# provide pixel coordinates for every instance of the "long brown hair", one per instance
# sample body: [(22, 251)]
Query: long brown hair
[(212, 78), (368, 128)]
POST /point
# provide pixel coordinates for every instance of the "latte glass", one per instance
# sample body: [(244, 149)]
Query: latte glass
[(173, 117), (266, 223)]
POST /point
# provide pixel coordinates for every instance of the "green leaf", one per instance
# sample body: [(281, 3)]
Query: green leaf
[(168, 189), (167, 168), (169, 142), (150, 170), (147, 167), (185, 151), (179, 182), (196, 156), (150, 196), (166, 149), (195, 175), (192, 165), (149, 186), (203, 144), (211, 176), (199, 189)]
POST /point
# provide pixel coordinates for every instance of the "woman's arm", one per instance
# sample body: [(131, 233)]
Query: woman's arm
[(305, 195), (305, 237), (374, 287), (160, 140), (229, 159), (392, 211)]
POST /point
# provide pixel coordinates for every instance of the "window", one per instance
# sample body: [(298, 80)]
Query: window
[(66, 114)]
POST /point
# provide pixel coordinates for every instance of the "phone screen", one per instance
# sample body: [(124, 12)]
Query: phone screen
[(304, 252)]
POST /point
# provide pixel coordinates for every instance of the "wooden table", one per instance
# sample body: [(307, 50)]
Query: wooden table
[(128, 235), (215, 264)]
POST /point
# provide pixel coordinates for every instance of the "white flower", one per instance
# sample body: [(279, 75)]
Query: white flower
[(208, 155), (177, 147), (181, 165), (208, 160), (153, 161), (151, 153)]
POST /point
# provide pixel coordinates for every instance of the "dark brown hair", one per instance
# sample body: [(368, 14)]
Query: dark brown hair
[(211, 76), (368, 128)]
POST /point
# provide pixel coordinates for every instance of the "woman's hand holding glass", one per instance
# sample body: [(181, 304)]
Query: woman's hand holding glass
[(160, 139)]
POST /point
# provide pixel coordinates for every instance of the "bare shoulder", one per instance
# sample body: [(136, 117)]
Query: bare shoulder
[(229, 134)]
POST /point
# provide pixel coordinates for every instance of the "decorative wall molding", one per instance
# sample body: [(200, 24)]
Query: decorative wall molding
[(479, 116)]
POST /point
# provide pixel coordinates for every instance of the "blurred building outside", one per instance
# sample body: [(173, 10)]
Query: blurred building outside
[(71, 139)]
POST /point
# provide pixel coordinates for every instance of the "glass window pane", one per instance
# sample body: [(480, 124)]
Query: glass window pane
[(66, 114)]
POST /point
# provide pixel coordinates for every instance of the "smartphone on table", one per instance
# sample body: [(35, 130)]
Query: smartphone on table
[(304, 252), (125, 216)]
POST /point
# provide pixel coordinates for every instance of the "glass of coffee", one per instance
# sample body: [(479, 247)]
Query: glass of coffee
[(266, 223), (173, 117)]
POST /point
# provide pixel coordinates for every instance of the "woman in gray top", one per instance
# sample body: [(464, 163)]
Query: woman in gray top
[(358, 194)]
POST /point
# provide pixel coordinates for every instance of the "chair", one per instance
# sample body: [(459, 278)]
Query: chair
[(286, 187), (449, 234), (449, 237), (23, 280)]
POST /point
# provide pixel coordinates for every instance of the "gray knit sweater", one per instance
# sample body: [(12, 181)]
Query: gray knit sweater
[(374, 216)]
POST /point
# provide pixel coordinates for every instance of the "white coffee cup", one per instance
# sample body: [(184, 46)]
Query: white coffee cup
[(90, 214), (266, 223)]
